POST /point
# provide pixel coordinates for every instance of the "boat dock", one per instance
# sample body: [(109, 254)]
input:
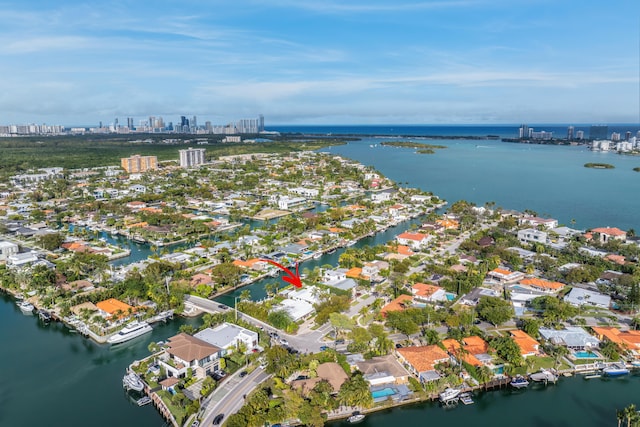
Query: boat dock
[(161, 317)]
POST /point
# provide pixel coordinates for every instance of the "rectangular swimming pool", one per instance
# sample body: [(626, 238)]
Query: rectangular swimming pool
[(388, 391), (585, 355)]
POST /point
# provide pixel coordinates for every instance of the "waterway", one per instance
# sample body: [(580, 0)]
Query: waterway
[(50, 376)]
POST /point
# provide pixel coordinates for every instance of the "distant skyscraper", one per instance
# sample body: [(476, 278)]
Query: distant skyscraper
[(115, 123), (599, 132), (130, 122), (260, 123), (194, 123), (615, 136), (525, 132), (627, 135), (570, 133), (580, 135), (100, 124), (191, 157)]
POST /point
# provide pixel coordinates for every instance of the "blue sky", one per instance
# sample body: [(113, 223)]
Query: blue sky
[(321, 62)]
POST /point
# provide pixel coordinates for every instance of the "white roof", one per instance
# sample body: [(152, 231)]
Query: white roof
[(572, 336), (297, 309), (225, 335), (579, 296)]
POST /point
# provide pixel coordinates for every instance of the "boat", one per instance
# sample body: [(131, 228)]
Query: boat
[(466, 398), (449, 394), (132, 382), (351, 242), (636, 363), (544, 376), (615, 370), (332, 251), (355, 418), (317, 255), (519, 382), (131, 331), (592, 376), (44, 315), (26, 306), (138, 239), (143, 401)]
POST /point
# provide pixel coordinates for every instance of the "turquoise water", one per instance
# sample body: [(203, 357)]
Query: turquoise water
[(550, 180), (585, 355), (450, 297), (388, 391)]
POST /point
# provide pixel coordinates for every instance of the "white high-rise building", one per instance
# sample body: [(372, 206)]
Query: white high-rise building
[(192, 157)]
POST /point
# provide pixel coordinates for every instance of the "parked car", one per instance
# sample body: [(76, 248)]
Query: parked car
[(243, 374), (218, 419), (339, 341), (323, 348)]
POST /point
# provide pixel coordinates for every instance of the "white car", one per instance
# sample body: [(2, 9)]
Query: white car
[(284, 342)]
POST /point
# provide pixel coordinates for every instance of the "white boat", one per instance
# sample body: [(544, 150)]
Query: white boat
[(615, 370), (544, 376), (466, 398), (356, 418), (519, 382), (317, 255), (132, 382), (449, 394), (26, 306), (143, 401), (131, 331)]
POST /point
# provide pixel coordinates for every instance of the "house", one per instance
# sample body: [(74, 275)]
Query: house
[(200, 279), (7, 249), (421, 361), (542, 285), (505, 276), (398, 304), (474, 295), (486, 241), (328, 371), (297, 309), (428, 293), (605, 234), (381, 196), (474, 350), (136, 205), (573, 337), (383, 370), (415, 241), (528, 346), (535, 221), (228, 336), (626, 340), (184, 352), (114, 308), (531, 235), (22, 259), (579, 297)]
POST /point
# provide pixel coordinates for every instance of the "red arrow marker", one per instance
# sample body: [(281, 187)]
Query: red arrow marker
[(294, 279)]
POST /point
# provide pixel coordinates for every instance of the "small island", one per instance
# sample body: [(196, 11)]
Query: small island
[(421, 148), (599, 166), (637, 169)]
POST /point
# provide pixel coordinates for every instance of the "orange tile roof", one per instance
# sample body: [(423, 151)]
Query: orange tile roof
[(397, 304), (412, 236), (354, 273), (241, 263), (448, 223), (139, 224), (541, 283), (618, 259), (624, 339), (405, 250), (200, 279), (425, 290), (423, 358), (501, 271), (151, 210), (112, 305), (336, 230), (476, 345), (611, 231), (527, 344)]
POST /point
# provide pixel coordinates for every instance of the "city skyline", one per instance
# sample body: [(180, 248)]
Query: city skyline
[(301, 62)]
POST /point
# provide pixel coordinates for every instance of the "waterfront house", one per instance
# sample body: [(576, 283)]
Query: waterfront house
[(415, 241), (329, 371), (572, 337), (381, 196), (604, 234), (383, 370), (528, 346), (473, 350), (473, 297), (113, 308), (421, 361), (21, 260), (184, 352), (428, 293), (535, 221), (626, 340), (228, 337), (297, 309)]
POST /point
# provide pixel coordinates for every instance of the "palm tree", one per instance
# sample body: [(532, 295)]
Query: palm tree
[(619, 416), (630, 414)]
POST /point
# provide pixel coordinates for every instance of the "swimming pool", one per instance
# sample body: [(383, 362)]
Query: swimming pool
[(585, 355), (388, 391), (450, 297)]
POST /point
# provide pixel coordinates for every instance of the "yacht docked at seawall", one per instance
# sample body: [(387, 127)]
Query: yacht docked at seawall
[(26, 307), (129, 332), (615, 370), (449, 394), (132, 382)]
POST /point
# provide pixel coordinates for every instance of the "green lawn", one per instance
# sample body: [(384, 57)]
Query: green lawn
[(178, 412)]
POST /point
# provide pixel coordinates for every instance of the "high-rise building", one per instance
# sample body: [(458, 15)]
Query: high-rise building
[(191, 157), (615, 136), (627, 135), (580, 135), (260, 123), (599, 132), (570, 130), (194, 123), (139, 164), (130, 122), (525, 131)]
